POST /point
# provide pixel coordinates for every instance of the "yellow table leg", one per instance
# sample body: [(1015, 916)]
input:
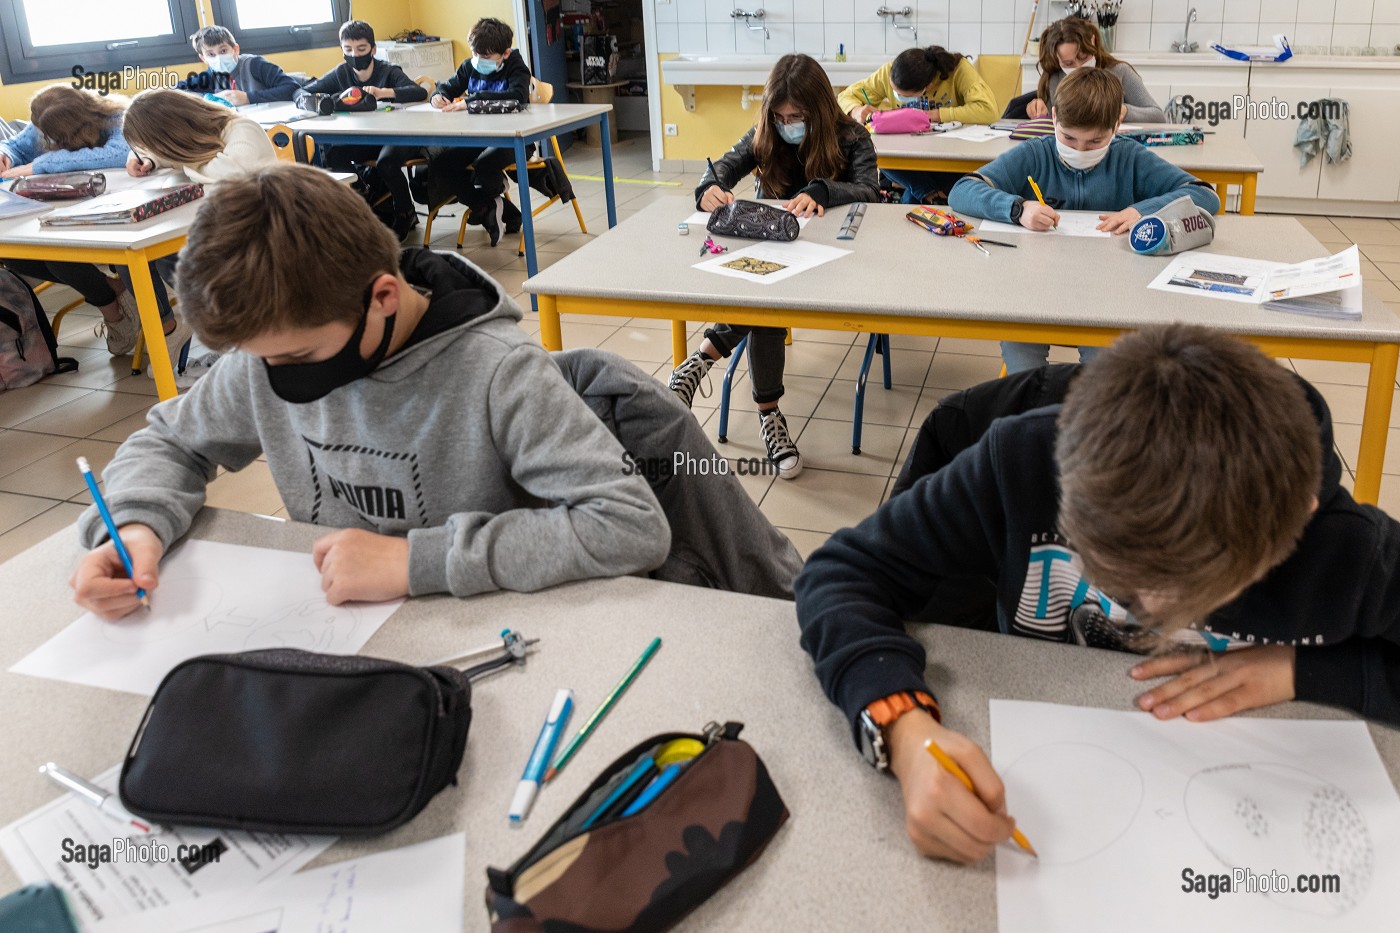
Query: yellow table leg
[(680, 346), (145, 293), (1249, 183), (1375, 423), (551, 332)]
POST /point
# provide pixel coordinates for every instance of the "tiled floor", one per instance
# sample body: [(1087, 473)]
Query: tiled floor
[(42, 428)]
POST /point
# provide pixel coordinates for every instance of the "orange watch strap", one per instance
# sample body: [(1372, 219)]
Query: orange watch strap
[(885, 711)]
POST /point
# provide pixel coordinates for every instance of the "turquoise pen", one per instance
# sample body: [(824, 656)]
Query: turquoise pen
[(106, 514), (548, 740)]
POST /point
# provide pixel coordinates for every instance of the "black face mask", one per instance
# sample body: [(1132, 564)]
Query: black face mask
[(359, 62), (300, 383)]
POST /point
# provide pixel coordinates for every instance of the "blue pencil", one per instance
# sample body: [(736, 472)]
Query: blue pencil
[(106, 514)]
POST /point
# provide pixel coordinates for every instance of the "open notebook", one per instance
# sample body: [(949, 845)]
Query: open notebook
[(124, 207)]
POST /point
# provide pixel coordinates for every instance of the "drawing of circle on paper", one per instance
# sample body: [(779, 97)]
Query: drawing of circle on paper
[(1269, 817), (1072, 800), (312, 625), (176, 605)]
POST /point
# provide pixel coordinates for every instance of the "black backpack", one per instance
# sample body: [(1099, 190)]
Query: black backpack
[(28, 351)]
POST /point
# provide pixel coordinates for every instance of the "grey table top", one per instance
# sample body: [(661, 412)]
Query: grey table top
[(1219, 153), (161, 228), (424, 121), (898, 269), (841, 861)]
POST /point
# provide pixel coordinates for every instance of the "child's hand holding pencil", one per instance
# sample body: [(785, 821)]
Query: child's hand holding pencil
[(101, 583)]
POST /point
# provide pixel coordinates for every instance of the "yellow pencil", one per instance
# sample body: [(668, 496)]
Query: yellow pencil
[(952, 768), (1038, 196)]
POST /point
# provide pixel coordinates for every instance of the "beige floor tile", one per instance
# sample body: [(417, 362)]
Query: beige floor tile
[(21, 448), (251, 489), (1390, 270), (586, 335), (19, 405), (639, 344), (910, 342), (56, 476), (16, 510), (801, 394), (805, 541), (25, 536), (1381, 288), (826, 445), (87, 415), (651, 324), (808, 358), (907, 367), (1382, 252), (1315, 371), (970, 347), (1367, 230), (843, 337), (755, 476), (140, 384), (823, 500), (1347, 402), (1389, 500), (893, 406), (1348, 437), (1317, 226), (959, 370)]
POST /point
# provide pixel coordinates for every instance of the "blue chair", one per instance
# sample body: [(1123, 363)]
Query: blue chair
[(879, 343)]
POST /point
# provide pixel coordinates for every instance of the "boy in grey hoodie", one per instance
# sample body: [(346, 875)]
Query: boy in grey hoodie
[(394, 398)]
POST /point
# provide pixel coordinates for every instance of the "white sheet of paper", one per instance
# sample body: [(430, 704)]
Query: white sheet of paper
[(274, 113), (976, 133), (790, 259), (1072, 223), (1257, 281), (701, 218), (419, 887), (1228, 278), (1120, 806), (33, 844), (212, 598)]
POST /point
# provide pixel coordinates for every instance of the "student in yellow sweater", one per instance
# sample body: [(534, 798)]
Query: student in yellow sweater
[(943, 83)]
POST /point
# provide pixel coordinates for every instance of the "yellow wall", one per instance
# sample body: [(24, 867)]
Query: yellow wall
[(386, 16), (453, 19)]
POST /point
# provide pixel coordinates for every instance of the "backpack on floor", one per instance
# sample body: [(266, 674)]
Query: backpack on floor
[(28, 351)]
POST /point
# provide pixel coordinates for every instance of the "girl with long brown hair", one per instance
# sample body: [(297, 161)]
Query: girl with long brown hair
[(804, 152), (1073, 43), (172, 129)]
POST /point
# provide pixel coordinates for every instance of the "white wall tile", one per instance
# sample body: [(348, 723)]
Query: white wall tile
[(1312, 34), (998, 11), (1232, 35), (933, 34), (869, 39), (1134, 11), (668, 37), (1279, 10), (1242, 11), (865, 9), (666, 12), (1206, 34), (1385, 36), (965, 37), (965, 13), (832, 11), (1267, 31), (1316, 11), (1349, 35), (1174, 10), (1209, 11), (782, 40), (896, 42), (718, 10), (836, 34), (1131, 37), (997, 39), (777, 11), (1386, 11), (932, 11), (1353, 11), (809, 38), (690, 11), (1164, 34), (693, 39), (719, 38), (748, 41)]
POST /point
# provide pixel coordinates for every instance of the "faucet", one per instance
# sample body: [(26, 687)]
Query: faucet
[(749, 18), (886, 11), (1186, 45)]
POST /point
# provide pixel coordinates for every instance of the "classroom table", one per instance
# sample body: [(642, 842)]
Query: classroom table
[(1221, 160), (841, 862), (423, 126), (1054, 289), (132, 245)]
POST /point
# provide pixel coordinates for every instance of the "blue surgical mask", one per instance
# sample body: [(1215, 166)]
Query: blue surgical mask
[(484, 66), (792, 133), (902, 100), (224, 64)]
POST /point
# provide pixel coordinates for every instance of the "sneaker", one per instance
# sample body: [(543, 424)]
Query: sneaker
[(781, 450), (403, 224), (121, 335), (175, 342), (196, 370), (692, 374), (510, 217)]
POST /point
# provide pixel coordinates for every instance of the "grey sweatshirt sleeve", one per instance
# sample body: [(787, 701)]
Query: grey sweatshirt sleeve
[(1141, 107), (159, 474), (593, 521)]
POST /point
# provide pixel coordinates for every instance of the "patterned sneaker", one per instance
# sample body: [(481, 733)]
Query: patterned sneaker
[(121, 335), (781, 450), (196, 370), (174, 342), (692, 374)]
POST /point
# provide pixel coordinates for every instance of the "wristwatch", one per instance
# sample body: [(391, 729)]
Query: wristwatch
[(880, 715), (1017, 210)]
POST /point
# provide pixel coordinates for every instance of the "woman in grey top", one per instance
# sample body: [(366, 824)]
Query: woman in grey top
[(1074, 43)]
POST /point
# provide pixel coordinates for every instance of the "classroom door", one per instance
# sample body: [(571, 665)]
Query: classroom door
[(547, 45)]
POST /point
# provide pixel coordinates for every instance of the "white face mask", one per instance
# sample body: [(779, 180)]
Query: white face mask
[(1090, 62), (223, 64), (1080, 159)]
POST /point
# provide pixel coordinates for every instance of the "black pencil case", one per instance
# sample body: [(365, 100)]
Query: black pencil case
[(752, 220), (283, 740), (646, 871)]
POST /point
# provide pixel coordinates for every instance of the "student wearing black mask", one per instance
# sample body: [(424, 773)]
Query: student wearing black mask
[(383, 81)]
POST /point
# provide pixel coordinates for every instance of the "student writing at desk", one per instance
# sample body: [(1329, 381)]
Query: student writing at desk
[(236, 77), (805, 152), (1084, 166), (1071, 44), (1183, 501)]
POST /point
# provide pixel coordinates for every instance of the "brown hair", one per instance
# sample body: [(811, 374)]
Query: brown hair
[(282, 247), (490, 36), (356, 29), (211, 37), (71, 118), (915, 69), (1188, 462), (1089, 99), (1083, 34), (178, 127), (800, 81)]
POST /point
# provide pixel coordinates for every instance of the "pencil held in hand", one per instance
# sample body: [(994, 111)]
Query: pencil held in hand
[(952, 768)]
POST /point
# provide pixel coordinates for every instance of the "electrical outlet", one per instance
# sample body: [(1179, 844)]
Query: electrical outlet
[(671, 130)]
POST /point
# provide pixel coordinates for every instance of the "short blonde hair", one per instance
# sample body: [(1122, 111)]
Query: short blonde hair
[(176, 126), (283, 247)]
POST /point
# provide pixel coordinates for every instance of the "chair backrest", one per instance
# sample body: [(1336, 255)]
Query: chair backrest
[(281, 138), (427, 83), (1003, 74), (541, 92)]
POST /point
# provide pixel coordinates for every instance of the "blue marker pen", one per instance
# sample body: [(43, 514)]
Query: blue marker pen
[(543, 753), (107, 520)]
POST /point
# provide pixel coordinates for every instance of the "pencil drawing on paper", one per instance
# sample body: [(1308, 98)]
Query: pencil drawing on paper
[(1266, 816), (1074, 799)]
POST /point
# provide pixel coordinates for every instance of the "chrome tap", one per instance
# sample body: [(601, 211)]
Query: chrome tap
[(1186, 45), (886, 11), (749, 18)]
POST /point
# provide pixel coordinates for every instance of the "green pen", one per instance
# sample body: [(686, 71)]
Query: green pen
[(587, 728)]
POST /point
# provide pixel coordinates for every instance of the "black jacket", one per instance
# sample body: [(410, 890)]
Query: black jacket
[(342, 77), (511, 81), (860, 182), (992, 512)]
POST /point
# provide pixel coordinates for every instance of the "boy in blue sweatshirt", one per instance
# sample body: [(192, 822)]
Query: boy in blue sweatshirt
[(237, 78), (1083, 167), (1184, 500)]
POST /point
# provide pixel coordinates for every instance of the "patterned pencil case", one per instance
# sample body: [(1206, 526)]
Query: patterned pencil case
[(68, 186), (750, 220), (663, 828), (494, 106)]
